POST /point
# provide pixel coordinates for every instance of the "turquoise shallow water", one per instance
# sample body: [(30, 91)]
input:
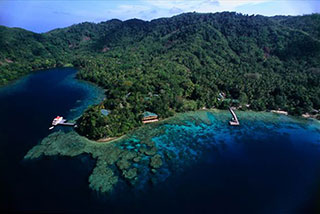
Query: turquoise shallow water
[(269, 164)]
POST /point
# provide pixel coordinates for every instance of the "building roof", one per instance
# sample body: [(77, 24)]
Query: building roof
[(105, 112), (149, 114)]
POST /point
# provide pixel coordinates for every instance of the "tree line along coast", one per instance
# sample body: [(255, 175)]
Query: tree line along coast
[(183, 63)]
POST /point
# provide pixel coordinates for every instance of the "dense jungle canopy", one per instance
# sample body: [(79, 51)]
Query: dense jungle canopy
[(177, 64)]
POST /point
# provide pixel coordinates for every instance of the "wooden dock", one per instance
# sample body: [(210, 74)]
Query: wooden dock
[(234, 121), (67, 124), (64, 123)]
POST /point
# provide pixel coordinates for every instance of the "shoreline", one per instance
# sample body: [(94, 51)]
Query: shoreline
[(212, 110), (279, 112), (25, 75), (108, 140), (149, 149), (178, 116)]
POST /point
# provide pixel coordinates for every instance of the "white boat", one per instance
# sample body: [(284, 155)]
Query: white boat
[(57, 120)]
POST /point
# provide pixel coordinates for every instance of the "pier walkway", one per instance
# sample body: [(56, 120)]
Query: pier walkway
[(234, 121)]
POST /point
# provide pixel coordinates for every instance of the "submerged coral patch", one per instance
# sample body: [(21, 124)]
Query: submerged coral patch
[(152, 153)]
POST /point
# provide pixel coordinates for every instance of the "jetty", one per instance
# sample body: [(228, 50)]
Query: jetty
[(60, 121), (234, 120)]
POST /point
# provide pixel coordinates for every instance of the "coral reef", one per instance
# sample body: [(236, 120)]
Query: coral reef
[(156, 161), (102, 178), (130, 174), (153, 152)]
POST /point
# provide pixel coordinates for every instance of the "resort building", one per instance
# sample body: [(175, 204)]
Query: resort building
[(105, 112), (149, 117)]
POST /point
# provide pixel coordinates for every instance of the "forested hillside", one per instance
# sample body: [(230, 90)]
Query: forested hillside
[(178, 64)]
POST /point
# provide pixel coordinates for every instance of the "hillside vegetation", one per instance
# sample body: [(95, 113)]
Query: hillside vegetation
[(178, 64)]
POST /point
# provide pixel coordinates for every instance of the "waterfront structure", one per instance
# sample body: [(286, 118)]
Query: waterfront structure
[(60, 121), (234, 121), (149, 117)]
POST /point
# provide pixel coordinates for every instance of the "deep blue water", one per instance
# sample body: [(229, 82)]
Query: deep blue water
[(259, 167), (27, 109)]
